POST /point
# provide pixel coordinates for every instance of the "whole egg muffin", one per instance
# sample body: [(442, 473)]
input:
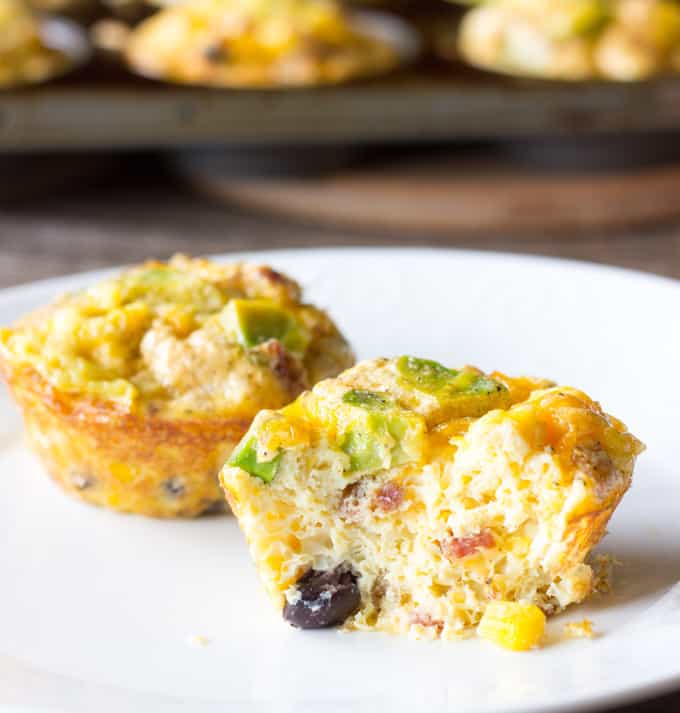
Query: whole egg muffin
[(251, 43), (135, 391), (624, 40), (24, 56), (407, 497)]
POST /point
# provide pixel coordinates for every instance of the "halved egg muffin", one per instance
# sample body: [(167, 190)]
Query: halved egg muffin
[(135, 391), (623, 40), (406, 497), (255, 43)]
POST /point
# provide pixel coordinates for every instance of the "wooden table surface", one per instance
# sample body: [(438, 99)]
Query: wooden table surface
[(151, 215), (115, 223)]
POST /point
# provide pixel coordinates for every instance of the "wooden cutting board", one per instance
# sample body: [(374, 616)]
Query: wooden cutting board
[(450, 194)]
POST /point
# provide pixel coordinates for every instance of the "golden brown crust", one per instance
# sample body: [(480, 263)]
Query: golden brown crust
[(126, 461)]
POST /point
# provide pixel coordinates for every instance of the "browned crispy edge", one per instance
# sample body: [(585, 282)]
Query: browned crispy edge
[(85, 443)]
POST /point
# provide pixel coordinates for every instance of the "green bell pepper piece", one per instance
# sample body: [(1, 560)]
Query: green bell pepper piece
[(256, 321), (245, 457), (369, 400)]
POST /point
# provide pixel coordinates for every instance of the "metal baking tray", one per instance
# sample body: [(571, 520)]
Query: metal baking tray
[(104, 107)]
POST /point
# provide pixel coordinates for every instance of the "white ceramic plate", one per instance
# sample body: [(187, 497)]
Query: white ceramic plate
[(97, 610)]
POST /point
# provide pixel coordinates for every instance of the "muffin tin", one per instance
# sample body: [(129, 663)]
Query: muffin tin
[(104, 106)]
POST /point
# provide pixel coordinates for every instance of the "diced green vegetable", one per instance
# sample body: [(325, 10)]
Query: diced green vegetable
[(469, 382), (365, 451), (434, 378), (245, 457), (461, 393), (252, 322), (158, 285), (158, 276), (382, 440), (424, 374), (578, 18), (370, 400)]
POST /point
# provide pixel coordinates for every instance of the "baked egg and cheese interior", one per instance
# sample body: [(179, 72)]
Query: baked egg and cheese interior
[(406, 497), (135, 390)]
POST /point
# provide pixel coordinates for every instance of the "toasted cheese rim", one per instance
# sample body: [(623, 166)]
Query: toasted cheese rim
[(120, 460)]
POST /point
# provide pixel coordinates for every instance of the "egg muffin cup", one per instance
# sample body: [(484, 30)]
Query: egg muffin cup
[(410, 498), (135, 391), (620, 40), (34, 50), (267, 44)]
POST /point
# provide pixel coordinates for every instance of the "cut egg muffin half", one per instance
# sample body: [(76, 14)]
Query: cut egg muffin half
[(407, 497), (134, 391)]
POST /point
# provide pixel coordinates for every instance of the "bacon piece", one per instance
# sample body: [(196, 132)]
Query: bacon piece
[(457, 547), (389, 496), (270, 283), (271, 275), (288, 369), (423, 619), (349, 507)]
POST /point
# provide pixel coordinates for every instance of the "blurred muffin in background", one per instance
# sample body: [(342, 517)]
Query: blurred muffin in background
[(25, 58), (251, 43), (624, 40)]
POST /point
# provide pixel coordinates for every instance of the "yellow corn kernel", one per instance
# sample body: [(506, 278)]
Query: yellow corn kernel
[(459, 597), (519, 545), (122, 472), (514, 625)]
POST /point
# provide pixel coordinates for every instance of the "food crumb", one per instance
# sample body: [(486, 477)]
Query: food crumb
[(579, 629), (603, 569), (198, 640)]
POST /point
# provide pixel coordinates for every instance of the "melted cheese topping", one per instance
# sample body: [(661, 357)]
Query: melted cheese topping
[(256, 42), (436, 514), (185, 338)]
